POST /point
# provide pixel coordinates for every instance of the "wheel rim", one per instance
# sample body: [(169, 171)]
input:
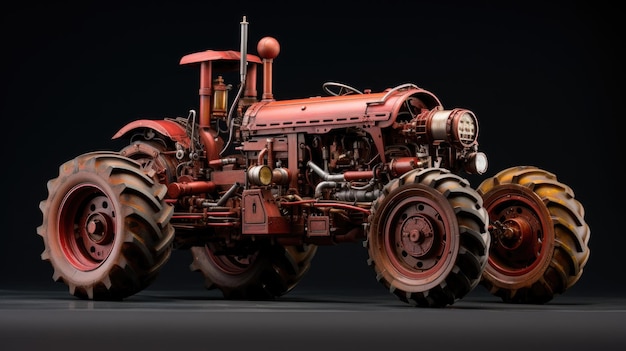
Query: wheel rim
[(419, 242), (524, 244), (87, 227)]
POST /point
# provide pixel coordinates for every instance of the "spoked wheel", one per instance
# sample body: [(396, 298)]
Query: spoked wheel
[(265, 272), (428, 238), (539, 236), (105, 227)]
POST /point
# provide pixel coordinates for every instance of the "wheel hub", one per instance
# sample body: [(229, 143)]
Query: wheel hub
[(417, 235), (515, 233), (520, 238), (416, 242), (98, 229)]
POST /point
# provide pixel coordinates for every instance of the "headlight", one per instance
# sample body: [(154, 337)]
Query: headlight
[(476, 163), (260, 175), (458, 127)]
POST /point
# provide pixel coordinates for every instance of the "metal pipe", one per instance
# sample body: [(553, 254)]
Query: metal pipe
[(243, 62), (228, 194), (175, 190), (270, 152), (340, 205), (320, 172), (322, 185), (206, 93), (261, 156)]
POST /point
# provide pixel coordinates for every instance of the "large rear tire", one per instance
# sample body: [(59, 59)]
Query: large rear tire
[(539, 240), (105, 229), (264, 273), (428, 238)]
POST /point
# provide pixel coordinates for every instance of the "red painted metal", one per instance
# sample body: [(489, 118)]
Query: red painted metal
[(175, 190), (253, 185), (222, 61), (87, 231), (167, 128), (229, 56), (321, 114), (522, 240)]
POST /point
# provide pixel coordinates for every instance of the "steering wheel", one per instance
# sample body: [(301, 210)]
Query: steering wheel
[(343, 89)]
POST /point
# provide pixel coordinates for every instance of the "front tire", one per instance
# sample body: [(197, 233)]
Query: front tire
[(105, 229), (539, 235), (428, 238)]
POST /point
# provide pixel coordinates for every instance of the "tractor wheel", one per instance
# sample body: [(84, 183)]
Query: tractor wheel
[(267, 272), (105, 229), (428, 239), (539, 238)]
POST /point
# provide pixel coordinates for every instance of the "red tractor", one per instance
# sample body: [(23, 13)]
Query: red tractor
[(252, 187)]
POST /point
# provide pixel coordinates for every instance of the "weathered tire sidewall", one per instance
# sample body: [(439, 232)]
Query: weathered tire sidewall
[(566, 249), (70, 178), (379, 243), (458, 206), (105, 227)]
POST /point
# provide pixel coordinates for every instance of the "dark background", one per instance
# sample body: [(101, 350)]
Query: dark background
[(539, 75)]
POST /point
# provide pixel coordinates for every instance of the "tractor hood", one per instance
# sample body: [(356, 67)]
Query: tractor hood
[(320, 114)]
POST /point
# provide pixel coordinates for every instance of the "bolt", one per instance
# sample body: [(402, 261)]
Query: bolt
[(94, 226), (414, 235)]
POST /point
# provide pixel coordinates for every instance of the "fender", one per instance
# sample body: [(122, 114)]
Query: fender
[(167, 128)]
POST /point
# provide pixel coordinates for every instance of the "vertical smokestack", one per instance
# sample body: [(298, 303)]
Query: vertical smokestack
[(244, 51)]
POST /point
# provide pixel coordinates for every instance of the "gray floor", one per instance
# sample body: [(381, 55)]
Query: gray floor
[(304, 320)]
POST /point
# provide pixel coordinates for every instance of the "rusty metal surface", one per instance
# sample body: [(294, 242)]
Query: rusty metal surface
[(308, 171)]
